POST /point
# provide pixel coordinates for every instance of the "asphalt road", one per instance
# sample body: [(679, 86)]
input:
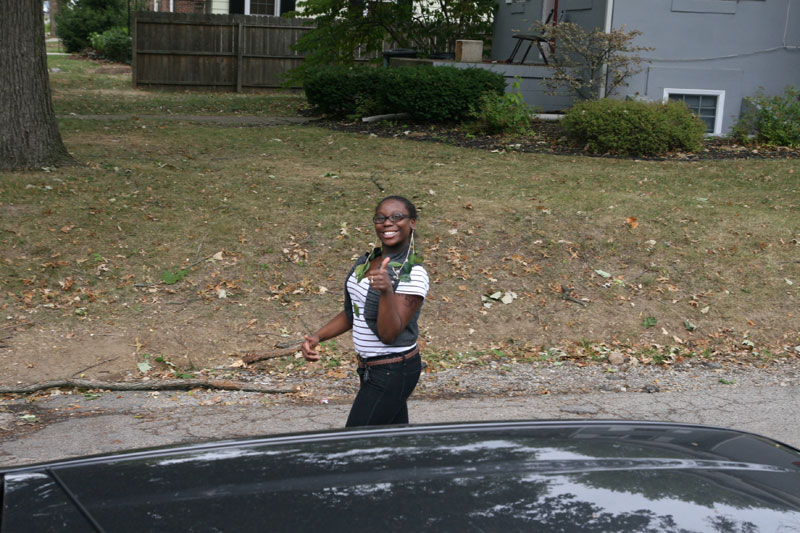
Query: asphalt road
[(71, 424)]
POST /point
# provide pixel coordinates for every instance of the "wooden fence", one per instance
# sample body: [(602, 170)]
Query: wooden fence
[(223, 52)]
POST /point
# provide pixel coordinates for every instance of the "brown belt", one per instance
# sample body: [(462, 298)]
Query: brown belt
[(388, 360)]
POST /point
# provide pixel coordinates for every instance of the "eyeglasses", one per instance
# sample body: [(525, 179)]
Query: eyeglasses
[(396, 217)]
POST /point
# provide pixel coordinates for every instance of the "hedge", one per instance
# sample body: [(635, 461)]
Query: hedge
[(633, 127), (432, 94)]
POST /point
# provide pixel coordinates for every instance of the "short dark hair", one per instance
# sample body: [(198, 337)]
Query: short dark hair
[(412, 210)]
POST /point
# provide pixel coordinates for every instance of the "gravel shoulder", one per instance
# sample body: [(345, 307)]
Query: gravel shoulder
[(523, 379), (63, 423)]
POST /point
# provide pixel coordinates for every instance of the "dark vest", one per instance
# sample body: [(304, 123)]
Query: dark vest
[(409, 335)]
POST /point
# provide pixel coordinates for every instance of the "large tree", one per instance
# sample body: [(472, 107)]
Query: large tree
[(29, 136)]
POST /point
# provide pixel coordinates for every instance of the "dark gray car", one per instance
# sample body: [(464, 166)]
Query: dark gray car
[(533, 476)]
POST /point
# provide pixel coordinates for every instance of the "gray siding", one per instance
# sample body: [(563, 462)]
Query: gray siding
[(735, 46), (722, 45)]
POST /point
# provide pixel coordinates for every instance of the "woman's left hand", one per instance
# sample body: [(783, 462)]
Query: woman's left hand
[(379, 279)]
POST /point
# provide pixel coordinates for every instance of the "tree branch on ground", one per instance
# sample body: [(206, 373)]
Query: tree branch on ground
[(152, 385)]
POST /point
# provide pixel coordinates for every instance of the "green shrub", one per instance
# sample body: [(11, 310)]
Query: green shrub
[(439, 94), (771, 120), (633, 128), (113, 44), (78, 20), (343, 90), (503, 114), (432, 94)]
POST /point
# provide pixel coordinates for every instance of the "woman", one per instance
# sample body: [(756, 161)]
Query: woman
[(384, 292)]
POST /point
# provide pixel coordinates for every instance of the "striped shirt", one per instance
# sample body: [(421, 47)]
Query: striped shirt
[(366, 343)]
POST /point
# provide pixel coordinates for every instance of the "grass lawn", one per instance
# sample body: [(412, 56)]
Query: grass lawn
[(192, 243), (85, 87)]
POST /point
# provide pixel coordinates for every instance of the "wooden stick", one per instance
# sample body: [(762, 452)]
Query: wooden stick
[(283, 352), (169, 384), (566, 294)]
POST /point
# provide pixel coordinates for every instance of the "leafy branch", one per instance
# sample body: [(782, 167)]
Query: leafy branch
[(586, 62)]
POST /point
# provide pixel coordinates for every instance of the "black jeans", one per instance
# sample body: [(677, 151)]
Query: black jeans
[(382, 398)]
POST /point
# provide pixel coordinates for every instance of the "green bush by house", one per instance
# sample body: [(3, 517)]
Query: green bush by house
[(432, 94), (633, 128), (78, 20), (508, 113), (113, 44), (771, 120), (341, 90)]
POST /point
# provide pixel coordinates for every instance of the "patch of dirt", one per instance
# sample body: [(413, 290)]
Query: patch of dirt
[(114, 68), (548, 137)]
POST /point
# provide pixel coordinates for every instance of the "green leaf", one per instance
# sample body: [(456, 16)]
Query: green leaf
[(170, 278), (361, 271), (356, 310), (144, 367), (92, 395), (727, 381), (395, 264), (649, 321), (405, 278), (689, 326), (602, 273)]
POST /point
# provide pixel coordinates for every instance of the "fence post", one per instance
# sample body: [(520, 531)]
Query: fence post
[(239, 53), (134, 43)]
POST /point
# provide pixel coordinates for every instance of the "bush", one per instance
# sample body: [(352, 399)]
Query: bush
[(113, 44), (77, 21), (439, 94), (771, 120), (633, 128), (342, 90), (432, 94), (504, 114)]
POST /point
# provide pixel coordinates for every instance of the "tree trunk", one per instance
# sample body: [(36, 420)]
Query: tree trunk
[(55, 7), (29, 136)]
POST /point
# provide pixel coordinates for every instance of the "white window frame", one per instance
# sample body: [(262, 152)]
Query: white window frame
[(720, 94), (277, 10)]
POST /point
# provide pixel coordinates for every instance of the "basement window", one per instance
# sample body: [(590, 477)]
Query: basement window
[(706, 104)]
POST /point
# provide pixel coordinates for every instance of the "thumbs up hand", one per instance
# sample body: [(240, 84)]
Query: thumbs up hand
[(379, 279)]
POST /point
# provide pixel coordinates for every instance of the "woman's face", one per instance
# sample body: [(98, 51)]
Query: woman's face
[(394, 233)]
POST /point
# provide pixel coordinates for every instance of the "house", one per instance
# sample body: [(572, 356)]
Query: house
[(224, 7), (712, 54)]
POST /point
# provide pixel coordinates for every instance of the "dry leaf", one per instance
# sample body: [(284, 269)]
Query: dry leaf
[(632, 222)]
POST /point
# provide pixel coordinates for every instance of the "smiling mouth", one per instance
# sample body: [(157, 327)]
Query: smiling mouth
[(389, 234)]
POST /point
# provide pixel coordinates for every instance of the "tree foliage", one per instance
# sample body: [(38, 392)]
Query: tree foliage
[(347, 29), (78, 20), (586, 61)]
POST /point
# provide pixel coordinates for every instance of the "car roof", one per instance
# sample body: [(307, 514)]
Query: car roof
[(617, 475)]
